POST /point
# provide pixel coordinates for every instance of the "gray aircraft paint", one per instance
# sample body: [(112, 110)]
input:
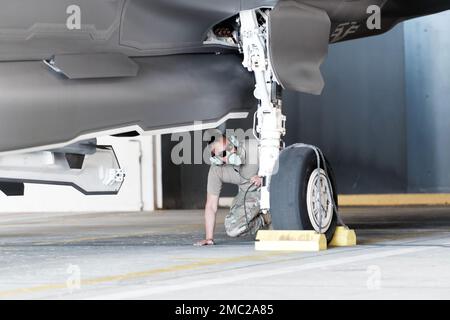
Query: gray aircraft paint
[(36, 30), (39, 108)]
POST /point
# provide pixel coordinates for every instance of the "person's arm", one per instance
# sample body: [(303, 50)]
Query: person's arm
[(256, 181), (212, 203)]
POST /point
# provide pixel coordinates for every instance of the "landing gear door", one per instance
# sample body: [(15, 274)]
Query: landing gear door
[(298, 44)]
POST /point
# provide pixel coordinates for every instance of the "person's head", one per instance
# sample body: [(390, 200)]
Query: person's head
[(221, 150)]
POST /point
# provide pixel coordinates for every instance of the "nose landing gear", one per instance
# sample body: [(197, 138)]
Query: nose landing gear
[(298, 185)]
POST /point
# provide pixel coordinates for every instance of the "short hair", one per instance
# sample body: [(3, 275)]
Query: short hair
[(213, 139)]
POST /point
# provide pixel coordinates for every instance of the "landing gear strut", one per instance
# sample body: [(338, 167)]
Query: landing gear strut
[(298, 188), (269, 120)]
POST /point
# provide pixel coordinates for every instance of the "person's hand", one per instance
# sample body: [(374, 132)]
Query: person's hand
[(257, 181), (206, 242)]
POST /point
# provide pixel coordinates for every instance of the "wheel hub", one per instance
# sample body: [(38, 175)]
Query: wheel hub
[(319, 202)]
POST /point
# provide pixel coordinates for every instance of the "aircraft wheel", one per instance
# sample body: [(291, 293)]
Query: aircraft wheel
[(294, 193)]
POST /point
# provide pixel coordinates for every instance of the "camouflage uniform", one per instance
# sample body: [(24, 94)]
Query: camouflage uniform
[(236, 221), (244, 215)]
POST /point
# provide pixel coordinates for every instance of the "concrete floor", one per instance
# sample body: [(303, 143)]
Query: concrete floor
[(402, 253)]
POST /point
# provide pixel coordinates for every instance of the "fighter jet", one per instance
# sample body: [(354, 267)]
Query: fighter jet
[(74, 70)]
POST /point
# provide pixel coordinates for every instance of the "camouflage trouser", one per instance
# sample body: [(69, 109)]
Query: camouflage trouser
[(236, 222)]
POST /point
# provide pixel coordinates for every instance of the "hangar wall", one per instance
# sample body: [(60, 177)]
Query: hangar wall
[(359, 120), (427, 45), (383, 118)]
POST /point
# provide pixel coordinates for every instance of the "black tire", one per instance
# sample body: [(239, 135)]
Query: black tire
[(288, 191)]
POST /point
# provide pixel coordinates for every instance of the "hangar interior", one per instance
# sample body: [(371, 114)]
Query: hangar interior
[(383, 122)]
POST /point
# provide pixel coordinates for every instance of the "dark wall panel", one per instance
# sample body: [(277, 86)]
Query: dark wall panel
[(359, 120), (184, 185), (428, 99)]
